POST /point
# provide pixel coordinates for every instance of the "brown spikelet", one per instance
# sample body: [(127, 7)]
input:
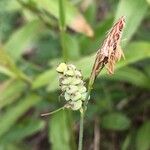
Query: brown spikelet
[(110, 52)]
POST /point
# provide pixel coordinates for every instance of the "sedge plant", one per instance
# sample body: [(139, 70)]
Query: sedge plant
[(71, 80)]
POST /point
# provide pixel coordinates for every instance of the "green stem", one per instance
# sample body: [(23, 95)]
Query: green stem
[(62, 27), (55, 111), (63, 45), (81, 131), (90, 86), (82, 115)]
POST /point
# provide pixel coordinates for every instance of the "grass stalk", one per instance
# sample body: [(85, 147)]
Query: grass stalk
[(81, 130), (83, 112), (82, 115), (62, 27)]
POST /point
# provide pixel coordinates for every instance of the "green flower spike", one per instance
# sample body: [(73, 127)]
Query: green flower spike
[(72, 86)]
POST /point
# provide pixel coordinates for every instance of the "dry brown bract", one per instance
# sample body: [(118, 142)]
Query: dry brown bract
[(110, 52)]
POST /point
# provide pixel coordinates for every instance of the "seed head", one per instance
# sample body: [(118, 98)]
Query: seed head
[(72, 85), (110, 52)]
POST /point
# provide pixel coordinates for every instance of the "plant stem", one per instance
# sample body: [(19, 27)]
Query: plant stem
[(62, 27), (83, 112), (63, 45), (81, 131), (50, 113), (82, 115)]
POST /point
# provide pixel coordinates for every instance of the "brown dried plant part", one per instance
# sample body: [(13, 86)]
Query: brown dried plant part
[(79, 24), (110, 52)]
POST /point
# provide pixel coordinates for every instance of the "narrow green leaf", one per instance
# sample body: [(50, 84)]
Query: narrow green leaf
[(22, 38), (9, 118), (7, 72), (134, 11), (72, 47), (12, 6), (146, 69), (59, 133), (14, 146), (143, 137), (23, 130), (62, 14), (10, 92), (7, 65), (115, 121), (126, 143), (45, 78), (131, 75)]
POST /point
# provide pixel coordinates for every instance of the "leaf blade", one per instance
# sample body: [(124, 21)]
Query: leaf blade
[(9, 118), (128, 9)]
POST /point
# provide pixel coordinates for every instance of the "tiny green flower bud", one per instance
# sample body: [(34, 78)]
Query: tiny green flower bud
[(71, 67), (72, 89), (83, 96), (67, 96), (78, 73), (74, 105), (76, 81), (76, 97), (63, 87), (69, 72), (61, 68), (61, 76), (67, 80), (82, 89)]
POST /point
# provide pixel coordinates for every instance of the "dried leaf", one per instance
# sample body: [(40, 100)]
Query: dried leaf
[(79, 24)]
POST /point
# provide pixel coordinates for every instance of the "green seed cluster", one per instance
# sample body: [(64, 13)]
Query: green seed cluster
[(72, 85)]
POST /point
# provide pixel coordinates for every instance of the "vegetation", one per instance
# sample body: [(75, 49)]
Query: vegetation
[(35, 37)]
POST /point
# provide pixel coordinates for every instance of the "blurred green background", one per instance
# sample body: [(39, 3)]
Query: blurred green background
[(35, 36)]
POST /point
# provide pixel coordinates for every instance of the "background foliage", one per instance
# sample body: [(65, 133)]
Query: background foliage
[(30, 50)]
